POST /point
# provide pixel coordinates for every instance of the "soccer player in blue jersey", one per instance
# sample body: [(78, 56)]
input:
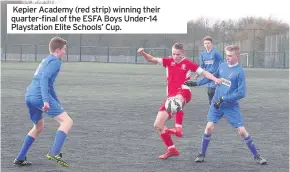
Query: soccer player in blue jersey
[(225, 102), (41, 97), (210, 59)]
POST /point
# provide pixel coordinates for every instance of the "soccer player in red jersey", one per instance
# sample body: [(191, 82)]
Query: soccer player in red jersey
[(178, 70)]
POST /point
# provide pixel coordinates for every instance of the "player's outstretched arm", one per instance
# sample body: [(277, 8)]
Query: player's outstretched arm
[(147, 56), (205, 80), (211, 77), (208, 77), (201, 82)]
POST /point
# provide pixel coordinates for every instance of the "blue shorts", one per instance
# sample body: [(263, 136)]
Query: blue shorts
[(35, 104), (232, 114)]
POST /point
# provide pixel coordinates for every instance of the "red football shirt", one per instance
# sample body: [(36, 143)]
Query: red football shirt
[(178, 73)]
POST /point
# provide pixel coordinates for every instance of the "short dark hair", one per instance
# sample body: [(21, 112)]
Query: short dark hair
[(207, 38), (56, 43), (178, 46)]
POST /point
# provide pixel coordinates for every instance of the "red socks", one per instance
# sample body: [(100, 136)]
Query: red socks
[(166, 139)]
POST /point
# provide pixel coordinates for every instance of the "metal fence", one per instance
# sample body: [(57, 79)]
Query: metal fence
[(263, 43), (101, 54)]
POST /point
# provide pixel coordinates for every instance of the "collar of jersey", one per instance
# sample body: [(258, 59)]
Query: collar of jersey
[(233, 65), (208, 52), (181, 60)]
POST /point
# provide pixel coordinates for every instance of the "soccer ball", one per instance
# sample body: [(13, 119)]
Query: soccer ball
[(173, 105)]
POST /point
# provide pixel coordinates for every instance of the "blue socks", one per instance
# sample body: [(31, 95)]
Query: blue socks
[(25, 147), (251, 145), (205, 142), (58, 142), (248, 140)]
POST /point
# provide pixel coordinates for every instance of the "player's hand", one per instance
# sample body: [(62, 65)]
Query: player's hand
[(140, 50), (195, 76), (218, 103), (218, 81), (45, 107), (190, 83)]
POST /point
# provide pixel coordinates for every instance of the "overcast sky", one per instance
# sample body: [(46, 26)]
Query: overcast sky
[(234, 9)]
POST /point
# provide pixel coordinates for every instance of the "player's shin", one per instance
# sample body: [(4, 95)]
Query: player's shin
[(166, 138), (65, 125), (205, 142), (251, 145), (177, 130), (25, 147), (58, 142), (206, 137), (171, 149)]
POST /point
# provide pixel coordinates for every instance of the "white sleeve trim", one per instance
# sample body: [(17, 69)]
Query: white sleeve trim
[(199, 70), (159, 61)]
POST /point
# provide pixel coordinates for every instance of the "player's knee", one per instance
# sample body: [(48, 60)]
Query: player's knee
[(157, 126), (159, 123), (69, 122), (209, 128), (243, 132), (38, 128), (65, 120)]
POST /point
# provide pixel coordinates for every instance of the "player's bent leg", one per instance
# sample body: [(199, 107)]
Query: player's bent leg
[(177, 129), (65, 125), (159, 125), (243, 132), (65, 122), (234, 117), (205, 142), (37, 128), (213, 116), (251, 145), (184, 95), (179, 116), (33, 104), (21, 159), (209, 128), (160, 120), (181, 98)]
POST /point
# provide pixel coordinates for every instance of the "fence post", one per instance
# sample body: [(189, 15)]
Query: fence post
[(165, 55), (21, 47), (224, 32), (193, 49), (254, 48), (81, 47), (5, 51), (35, 53), (108, 53), (136, 55), (67, 53), (284, 60)]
